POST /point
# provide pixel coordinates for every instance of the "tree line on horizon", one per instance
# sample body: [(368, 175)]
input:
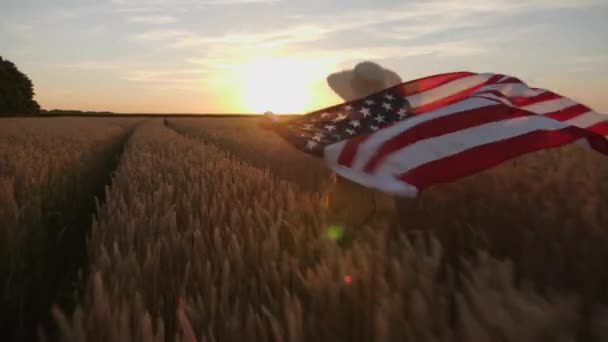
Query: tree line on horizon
[(16, 91), (17, 95)]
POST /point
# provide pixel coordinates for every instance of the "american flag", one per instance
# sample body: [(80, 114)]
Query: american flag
[(442, 128)]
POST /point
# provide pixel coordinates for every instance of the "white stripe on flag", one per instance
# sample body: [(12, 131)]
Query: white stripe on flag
[(448, 89), (428, 150), (587, 119), (512, 89), (386, 184), (550, 106), (369, 148)]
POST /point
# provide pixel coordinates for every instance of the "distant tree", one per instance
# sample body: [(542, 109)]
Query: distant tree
[(16, 91)]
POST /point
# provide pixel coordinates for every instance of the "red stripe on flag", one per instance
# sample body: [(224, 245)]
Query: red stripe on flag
[(568, 113), (427, 83), (492, 92), (600, 128), (349, 151), (526, 101), (599, 143), (444, 125), (521, 101), (485, 156), (454, 97)]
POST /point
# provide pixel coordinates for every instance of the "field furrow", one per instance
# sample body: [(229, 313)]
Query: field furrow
[(193, 244), (245, 140), (51, 172)]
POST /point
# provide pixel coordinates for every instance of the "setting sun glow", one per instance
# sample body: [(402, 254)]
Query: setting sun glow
[(283, 85)]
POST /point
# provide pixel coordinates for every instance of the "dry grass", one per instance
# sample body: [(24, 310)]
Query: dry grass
[(261, 148), (547, 211), (194, 244), (47, 170)]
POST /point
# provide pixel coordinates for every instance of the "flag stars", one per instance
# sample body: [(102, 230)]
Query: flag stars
[(387, 106), (311, 144), (370, 102), (374, 128), (325, 115), (355, 123), (379, 119), (402, 113), (389, 97), (330, 128), (348, 107), (350, 131), (365, 111)]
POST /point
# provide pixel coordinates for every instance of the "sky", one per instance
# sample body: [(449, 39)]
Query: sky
[(248, 56)]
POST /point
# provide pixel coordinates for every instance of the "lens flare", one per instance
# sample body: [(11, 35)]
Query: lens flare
[(335, 232)]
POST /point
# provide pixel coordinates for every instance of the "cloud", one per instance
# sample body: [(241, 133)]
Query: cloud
[(165, 76), (405, 22), (153, 19), (591, 59), (581, 63), (176, 38), (229, 63), (173, 3), (87, 65), (17, 28), (235, 2), (285, 36), (163, 35), (138, 10)]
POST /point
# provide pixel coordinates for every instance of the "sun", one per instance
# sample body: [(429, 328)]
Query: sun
[(281, 85)]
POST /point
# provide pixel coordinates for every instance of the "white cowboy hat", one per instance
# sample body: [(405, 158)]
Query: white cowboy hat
[(365, 78)]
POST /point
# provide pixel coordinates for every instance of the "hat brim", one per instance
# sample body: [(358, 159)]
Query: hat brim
[(341, 83)]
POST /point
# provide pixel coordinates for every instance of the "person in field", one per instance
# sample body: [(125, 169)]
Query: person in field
[(350, 204)]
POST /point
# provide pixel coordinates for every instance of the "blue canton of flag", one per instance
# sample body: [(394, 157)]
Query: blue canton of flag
[(314, 131)]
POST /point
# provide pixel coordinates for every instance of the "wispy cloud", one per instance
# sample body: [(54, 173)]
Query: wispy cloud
[(189, 2), (165, 76), (154, 45), (159, 35), (138, 10), (153, 19), (176, 38), (592, 59), (404, 22), (16, 28), (226, 66), (235, 2), (87, 65)]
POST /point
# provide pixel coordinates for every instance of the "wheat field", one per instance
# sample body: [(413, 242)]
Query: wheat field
[(211, 229)]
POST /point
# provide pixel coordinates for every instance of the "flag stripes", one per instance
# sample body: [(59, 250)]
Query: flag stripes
[(484, 129), (458, 124)]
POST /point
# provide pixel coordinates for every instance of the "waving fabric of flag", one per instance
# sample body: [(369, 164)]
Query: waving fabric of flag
[(442, 128)]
